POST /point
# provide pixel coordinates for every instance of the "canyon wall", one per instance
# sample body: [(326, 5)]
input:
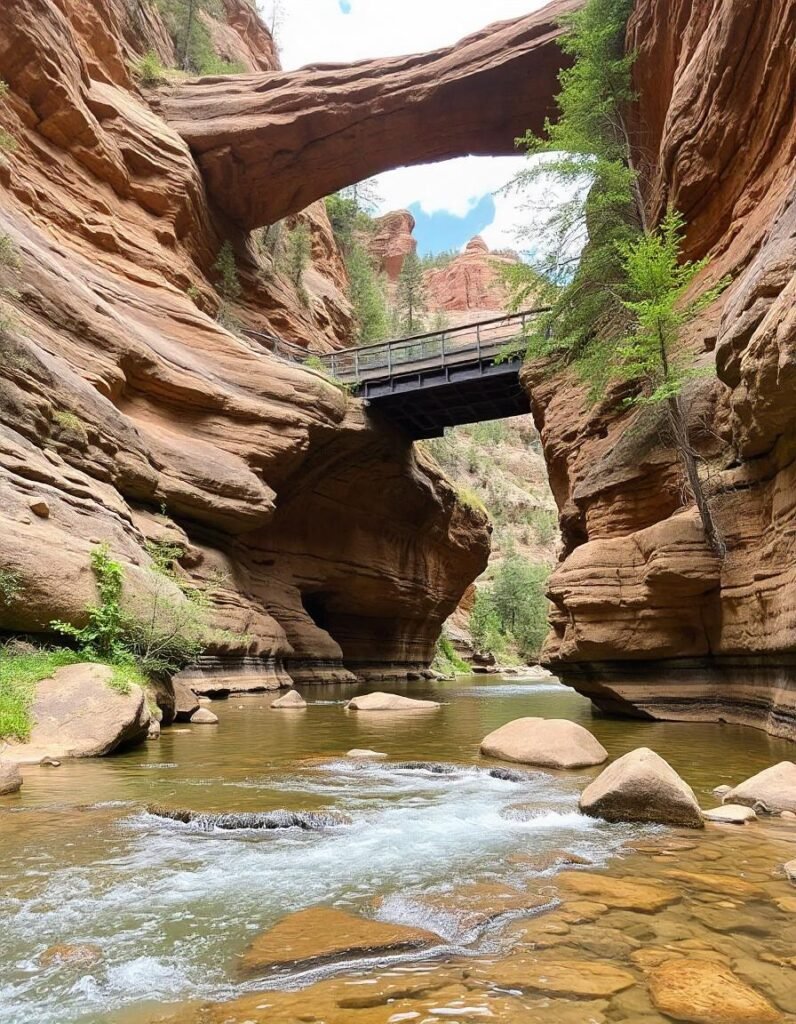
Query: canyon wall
[(646, 620), (135, 411)]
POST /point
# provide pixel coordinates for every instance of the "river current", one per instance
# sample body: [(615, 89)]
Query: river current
[(171, 907)]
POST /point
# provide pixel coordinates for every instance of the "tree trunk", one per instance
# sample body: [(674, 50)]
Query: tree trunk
[(688, 458), (186, 50)]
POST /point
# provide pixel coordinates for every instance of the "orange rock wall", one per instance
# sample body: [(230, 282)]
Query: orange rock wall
[(133, 415), (646, 620)]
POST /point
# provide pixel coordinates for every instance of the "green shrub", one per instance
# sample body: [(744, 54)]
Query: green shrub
[(470, 499), (544, 524), (226, 268), (69, 423), (149, 69), (7, 141), (513, 610), (10, 586), (446, 661)]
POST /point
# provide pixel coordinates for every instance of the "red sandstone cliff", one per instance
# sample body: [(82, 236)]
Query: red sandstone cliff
[(646, 620), (128, 413)]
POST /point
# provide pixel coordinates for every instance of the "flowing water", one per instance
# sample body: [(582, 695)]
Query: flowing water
[(171, 906)]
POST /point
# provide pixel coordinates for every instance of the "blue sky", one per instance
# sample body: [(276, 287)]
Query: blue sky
[(451, 201), (441, 230)]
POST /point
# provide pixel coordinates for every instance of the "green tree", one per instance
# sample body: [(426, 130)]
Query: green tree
[(410, 296), (649, 355), (193, 43), (518, 594), (486, 627), (298, 250), (7, 141), (367, 294)]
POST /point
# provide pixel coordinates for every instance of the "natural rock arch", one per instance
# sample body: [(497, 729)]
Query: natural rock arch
[(270, 144)]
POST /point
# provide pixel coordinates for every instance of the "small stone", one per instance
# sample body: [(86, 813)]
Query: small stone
[(49, 762), (730, 814), (705, 992), (204, 717), (10, 778), (364, 754), (40, 508), (154, 730), (291, 701), (790, 871), (77, 954)]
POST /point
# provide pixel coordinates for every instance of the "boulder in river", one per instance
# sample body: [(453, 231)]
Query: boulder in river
[(291, 701), (77, 713), (769, 792), (185, 700), (389, 702), (363, 754), (547, 742), (706, 992), (204, 716), (75, 954), (10, 778), (641, 786), (321, 935), (207, 821)]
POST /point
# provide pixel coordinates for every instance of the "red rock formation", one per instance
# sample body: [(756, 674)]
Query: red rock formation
[(470, 283), (122, 395), (646, 619), (392, 241), (269, 145)]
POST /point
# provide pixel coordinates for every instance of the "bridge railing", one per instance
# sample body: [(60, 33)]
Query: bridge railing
[(483, 339)]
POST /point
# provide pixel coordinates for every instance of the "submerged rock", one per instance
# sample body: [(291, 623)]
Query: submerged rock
[(769, 792), (435, 767), (390, 702), (621, 893), (730, 814), (206, 821), (10, 778), (77, 713), (706, 992), (358, 754), (76, 954), (322, 934), (291, 701), (578, 979), (547, 742), (641, 786), (790, 871), (509, 775)]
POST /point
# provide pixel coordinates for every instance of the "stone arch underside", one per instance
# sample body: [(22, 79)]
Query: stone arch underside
[(270, 144)]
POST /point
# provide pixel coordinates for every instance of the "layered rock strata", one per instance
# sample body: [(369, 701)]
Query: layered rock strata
[(133, 409), (646, 620)]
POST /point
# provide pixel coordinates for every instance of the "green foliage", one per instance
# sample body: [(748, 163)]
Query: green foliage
[(486, 627), (514, 607), (345, 217), (659, 306), (544, 524), (470, 499), (368, 297), (437, 260), (587, 153), (9, 259), (410, 295), (7, 141), (191, 36), (10, 586), (158, 630), (446, 661), (71, 424), (149, 69), (296, 258), (226, 269), (19, 673)]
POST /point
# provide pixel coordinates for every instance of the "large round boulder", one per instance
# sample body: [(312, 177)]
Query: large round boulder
[(10, 778), (771, 791), (78, 713), (291, 701), (546, 742), (389, 702), (641, 786)]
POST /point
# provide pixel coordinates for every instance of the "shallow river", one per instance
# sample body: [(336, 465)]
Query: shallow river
[(172, 907)]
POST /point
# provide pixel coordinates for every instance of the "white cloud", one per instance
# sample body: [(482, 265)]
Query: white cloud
[(317, 31)]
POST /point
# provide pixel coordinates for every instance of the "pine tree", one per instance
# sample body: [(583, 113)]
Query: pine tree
[(410, 296)]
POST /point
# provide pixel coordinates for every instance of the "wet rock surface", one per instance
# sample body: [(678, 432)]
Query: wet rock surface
[(10, 778), (292, 700), (641, 786), (771, 791), (390, 702), (323, 934), (206, 821), (707, 993)]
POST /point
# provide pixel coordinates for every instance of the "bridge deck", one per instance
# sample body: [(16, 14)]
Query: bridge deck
[(431, 381)]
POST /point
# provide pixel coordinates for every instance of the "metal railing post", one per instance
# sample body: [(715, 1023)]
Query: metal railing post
[(356, 364), (478, 340)]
